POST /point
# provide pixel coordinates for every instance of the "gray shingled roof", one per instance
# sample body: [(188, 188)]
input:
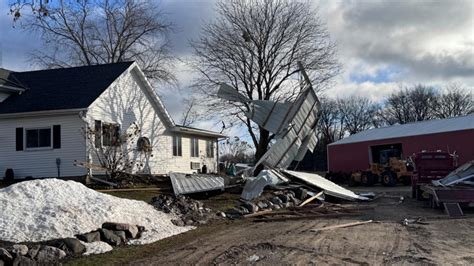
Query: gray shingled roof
[(62, 88), (412, 129)]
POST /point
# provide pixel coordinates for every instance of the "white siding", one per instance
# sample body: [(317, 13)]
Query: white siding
[(125, 103), (42, 163)]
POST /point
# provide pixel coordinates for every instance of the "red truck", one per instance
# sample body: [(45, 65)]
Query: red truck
[(430, 165)]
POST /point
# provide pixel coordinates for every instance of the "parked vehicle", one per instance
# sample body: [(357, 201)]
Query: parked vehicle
[(395, 170), (429, 166)]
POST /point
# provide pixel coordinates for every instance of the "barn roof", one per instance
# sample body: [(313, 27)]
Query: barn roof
[(58, 89), (411, 129)]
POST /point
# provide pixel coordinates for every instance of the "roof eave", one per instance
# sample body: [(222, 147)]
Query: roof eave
[(200, 132), (42, 113)]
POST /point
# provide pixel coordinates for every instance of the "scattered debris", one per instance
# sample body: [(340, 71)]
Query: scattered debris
[(340, 226), (187, 210), (327, 186), (317, 196), (407, 221), (254, 186)]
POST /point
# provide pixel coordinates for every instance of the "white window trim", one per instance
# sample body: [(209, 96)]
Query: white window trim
[(25, 148)]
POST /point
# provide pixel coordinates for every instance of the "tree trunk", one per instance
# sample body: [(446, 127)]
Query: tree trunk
[(261, 148)]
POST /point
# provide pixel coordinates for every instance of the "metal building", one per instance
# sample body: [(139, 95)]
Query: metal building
[(377, 145)]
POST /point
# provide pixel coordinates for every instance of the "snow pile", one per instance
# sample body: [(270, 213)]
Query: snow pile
[(47, 209)]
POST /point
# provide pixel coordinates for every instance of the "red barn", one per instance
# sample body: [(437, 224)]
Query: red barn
[(377, 145)]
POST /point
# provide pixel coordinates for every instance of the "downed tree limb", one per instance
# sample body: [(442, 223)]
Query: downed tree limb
[(311, 199), (339, 226)]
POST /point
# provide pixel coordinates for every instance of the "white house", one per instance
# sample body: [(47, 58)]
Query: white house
[(43, 115)]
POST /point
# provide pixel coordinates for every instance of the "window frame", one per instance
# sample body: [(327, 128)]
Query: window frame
[(25, 139), (194, 149), (210, 147), (111, 134), (179, 146)]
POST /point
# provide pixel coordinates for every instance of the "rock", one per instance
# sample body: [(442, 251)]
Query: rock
[(233, 213), (189, 222), (283, 198), (109, 237), (243, 210), (177, 222), (276, 200), (20, 249), (5, 255), (33, 251), (89, 237), (290, 192), (141, 229), (49, 254), (23, 261), (250, 206), (301, 193), (269, 203), (122, 235), (130, 230), (221, 214), (262, 205), (74, 245), (276, 207)]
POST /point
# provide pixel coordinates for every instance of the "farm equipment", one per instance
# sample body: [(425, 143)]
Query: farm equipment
[(430, 166), (389, 174)]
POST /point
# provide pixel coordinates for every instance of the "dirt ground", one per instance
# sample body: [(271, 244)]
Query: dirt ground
[(386, 241)]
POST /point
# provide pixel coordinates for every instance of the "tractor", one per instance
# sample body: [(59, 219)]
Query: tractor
[(389, 171)]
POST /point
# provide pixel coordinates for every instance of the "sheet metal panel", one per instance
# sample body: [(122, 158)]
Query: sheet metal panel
[(327, 186), (186, 183)]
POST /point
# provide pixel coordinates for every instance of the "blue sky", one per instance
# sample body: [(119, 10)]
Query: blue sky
[(381, 44)]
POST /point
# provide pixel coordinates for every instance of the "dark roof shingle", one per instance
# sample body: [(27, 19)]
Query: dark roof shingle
[(62, 88)]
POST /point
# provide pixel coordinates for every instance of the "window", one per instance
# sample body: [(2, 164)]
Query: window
[(144, 144), (110, 134), (38, 138), (194, 147), (177, 149), (210, 149)]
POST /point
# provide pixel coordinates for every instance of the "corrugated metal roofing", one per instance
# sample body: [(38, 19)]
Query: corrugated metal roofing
[(327, 186), (186, 184), (412, 129)]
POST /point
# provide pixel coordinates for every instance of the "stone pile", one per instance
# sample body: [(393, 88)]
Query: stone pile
[(188, 211), (114, 234), (49, 252), (269, 201)]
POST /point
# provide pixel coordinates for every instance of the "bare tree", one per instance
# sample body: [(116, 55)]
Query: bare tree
[(235, 150), (113, 150), (83, 32), (331, 126), (358, 114), (410, 104), (255, 46), (190, 113), (455, 101)]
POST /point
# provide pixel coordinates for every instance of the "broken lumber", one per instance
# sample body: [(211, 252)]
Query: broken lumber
[(256, 214), (340, 226), (311, 199), (103, 181)]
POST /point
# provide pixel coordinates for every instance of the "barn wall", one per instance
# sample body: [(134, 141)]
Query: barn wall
[(355, 156), (42, 162)]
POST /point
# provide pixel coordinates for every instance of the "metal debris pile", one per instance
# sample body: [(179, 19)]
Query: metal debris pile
[(188, 211)]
